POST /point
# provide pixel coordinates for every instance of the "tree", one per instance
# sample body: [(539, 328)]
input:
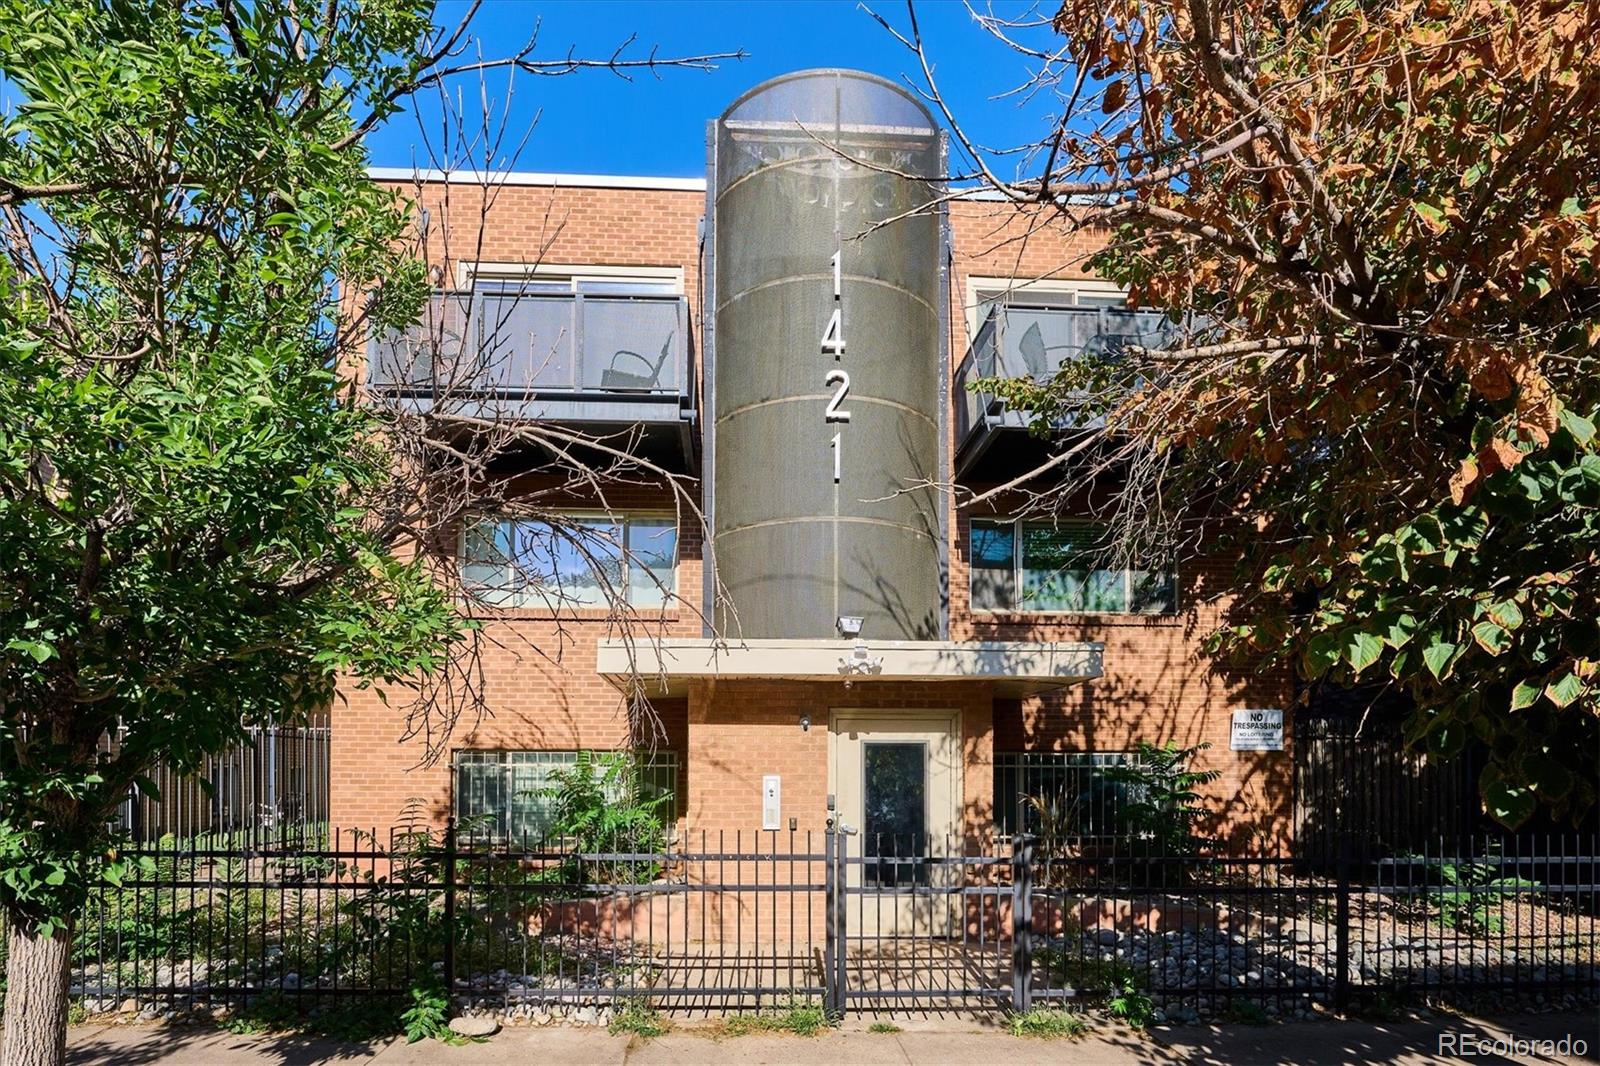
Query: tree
[(202, 523), (1376, 227)]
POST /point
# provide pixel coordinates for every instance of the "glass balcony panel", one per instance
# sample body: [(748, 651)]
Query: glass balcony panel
[(526, 343), (630, 345)]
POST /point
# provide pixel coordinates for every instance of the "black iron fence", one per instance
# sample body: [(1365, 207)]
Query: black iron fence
[(739, 920)]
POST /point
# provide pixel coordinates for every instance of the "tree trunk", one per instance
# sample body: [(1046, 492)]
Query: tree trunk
[(36, 995)]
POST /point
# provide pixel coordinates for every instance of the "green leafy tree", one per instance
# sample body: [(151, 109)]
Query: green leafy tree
[(201, 524), (1374, 226)]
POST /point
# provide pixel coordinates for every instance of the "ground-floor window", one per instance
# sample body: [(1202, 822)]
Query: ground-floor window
[(507, 793), (1066, 794)]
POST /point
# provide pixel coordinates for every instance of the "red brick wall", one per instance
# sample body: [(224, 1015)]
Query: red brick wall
[(538, 678)]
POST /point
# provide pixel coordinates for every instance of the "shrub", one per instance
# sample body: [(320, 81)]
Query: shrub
[(1161, 808)]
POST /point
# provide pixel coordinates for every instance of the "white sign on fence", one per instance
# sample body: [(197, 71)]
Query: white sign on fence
[(1257, 730)]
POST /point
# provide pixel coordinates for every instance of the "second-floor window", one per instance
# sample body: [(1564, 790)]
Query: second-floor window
[(579, 560), (1049, 568)]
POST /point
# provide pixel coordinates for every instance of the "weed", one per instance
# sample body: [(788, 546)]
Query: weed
[(1047, 1023), (883, 1027), (1243, 1012), (640, 1019), (77, 1013), (1131, 1005), (428, 1017), (1085, 973), (801, 1019)]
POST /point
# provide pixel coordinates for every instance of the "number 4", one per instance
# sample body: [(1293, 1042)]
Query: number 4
[(833, 336)]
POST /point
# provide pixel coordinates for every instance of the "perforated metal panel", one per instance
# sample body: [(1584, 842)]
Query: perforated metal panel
[(804, 167)]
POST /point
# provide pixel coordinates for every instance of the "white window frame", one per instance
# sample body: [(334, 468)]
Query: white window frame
[(1017, 566), (1050, 292), (468, 272), (533, 600)]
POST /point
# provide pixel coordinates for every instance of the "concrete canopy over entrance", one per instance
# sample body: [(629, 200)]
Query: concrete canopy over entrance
[(1015, 668)]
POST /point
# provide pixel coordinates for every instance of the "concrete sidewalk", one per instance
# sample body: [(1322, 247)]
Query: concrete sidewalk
[(919, 1042)]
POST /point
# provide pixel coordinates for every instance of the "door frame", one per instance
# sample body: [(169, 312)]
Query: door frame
[(911, 720)]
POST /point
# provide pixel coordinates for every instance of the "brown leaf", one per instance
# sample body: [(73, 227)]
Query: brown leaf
[(1463, 481)]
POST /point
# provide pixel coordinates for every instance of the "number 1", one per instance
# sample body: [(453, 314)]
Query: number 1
[(838, 451), (836, 276)]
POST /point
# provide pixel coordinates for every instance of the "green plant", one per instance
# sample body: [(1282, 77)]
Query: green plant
[(1244, 1012), (1470, 895), (1085, 973), (1131, 1005), (1048, 1023), (1161, 806), (883, 1027), (640, 1019), (801, 1019), (428, 1016), (597, 804)]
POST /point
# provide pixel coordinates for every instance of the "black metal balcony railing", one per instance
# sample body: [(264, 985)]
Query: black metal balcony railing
[(571, 348), (1035, 342)]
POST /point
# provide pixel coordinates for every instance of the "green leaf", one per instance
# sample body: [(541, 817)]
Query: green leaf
[(1437, 656), (1563, 692), (1363, 650), (1507, 804), (1524, 695), (1581, 428), (1491, 637), (1507, 614), (38, 650)]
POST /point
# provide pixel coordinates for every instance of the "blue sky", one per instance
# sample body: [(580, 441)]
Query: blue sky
[(594, 122)]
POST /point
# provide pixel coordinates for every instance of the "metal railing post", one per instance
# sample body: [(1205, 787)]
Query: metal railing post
[(830, 906), (449, 909), (1341, 933), (1022, 850), (838, 927)]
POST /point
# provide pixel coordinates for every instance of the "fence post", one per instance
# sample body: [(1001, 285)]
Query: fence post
[(450, 911), (1341, 917), (841, 955), (830, 891), (1021, 922)]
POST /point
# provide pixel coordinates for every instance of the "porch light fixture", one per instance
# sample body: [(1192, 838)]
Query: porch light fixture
[(849, 626)]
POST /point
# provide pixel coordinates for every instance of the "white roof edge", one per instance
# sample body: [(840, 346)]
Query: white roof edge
[(527, 177)]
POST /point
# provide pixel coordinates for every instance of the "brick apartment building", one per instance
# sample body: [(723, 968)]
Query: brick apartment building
[(880, 655)]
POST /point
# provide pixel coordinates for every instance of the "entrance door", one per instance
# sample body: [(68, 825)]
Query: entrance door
[(896, 778)]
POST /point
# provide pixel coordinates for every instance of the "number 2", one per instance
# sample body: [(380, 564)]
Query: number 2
[(833, 412)]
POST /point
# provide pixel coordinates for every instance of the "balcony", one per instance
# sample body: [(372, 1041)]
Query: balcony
[(1034, 342), (597, 363)]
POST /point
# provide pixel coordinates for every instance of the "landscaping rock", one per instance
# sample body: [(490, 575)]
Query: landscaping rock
[(474, 1025)]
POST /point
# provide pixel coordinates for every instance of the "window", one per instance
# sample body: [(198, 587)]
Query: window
[(589, 280), (578, 561), (502, 793), (1038, 566), (1069, 788), (984, 294)]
